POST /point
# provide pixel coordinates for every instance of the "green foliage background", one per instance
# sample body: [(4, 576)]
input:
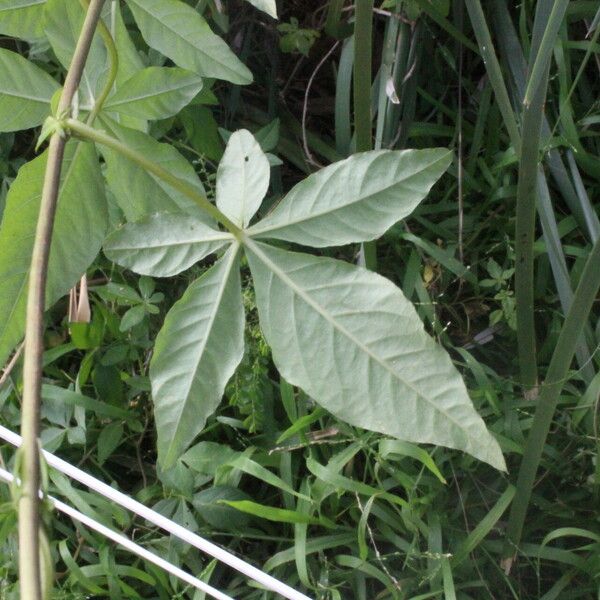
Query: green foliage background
[(329, 508)]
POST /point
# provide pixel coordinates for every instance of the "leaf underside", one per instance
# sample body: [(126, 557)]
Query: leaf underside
[(354, 200), (163, 244), (196, 352), (351, 340)]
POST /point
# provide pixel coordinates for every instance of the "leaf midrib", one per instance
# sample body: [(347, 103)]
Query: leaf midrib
[(223, 238), (132, 99)]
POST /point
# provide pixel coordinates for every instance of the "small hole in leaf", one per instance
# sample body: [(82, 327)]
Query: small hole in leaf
[(246, 158)]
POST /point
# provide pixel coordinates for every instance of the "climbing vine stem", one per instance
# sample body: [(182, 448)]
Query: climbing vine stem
[(31, 585)]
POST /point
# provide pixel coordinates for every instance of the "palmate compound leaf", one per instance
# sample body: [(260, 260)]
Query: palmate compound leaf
[(22, 18), (179, 32), (80, 227), (196, 352), (242, 178), (155, 93), (351, 340), (356, 199), (25, 92), (163, 244)]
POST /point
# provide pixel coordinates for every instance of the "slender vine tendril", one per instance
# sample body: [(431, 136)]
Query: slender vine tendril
[(113, 57)]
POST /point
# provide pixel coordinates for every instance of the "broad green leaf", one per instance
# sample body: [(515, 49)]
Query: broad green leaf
[(22, 18), (242, 178), (163, 244), (130, 61), (267, 6), (179, 32), (79, 231), (196, 352), (25, 92), (139, 193), (279, 515), (63, 22), (155, 93), (354, 200), (353, 342)]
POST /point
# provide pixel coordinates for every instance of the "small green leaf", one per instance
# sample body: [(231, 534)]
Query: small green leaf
[(179, 32), (132, 317), (25, 92), (242, 178), (155, 93), (353, 342), (163, 244), (354, 200), (50, 127), (196, 352), (396, 449), (109, 440)]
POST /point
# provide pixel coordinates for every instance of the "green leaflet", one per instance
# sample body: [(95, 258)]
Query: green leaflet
[(242, 178), (81, 222), (354, 200), (155, 93), (25, 92), (196, 352), (64, 19), (179, 32), (139, 193), (267, 6), (163, 244), (22, 18), (351, 340)]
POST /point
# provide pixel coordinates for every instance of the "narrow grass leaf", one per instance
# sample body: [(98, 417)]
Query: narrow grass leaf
[(279, 515), (483, 527)]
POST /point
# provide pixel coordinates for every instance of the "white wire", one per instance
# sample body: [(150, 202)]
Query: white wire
[(128, 544), (160, 521)]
